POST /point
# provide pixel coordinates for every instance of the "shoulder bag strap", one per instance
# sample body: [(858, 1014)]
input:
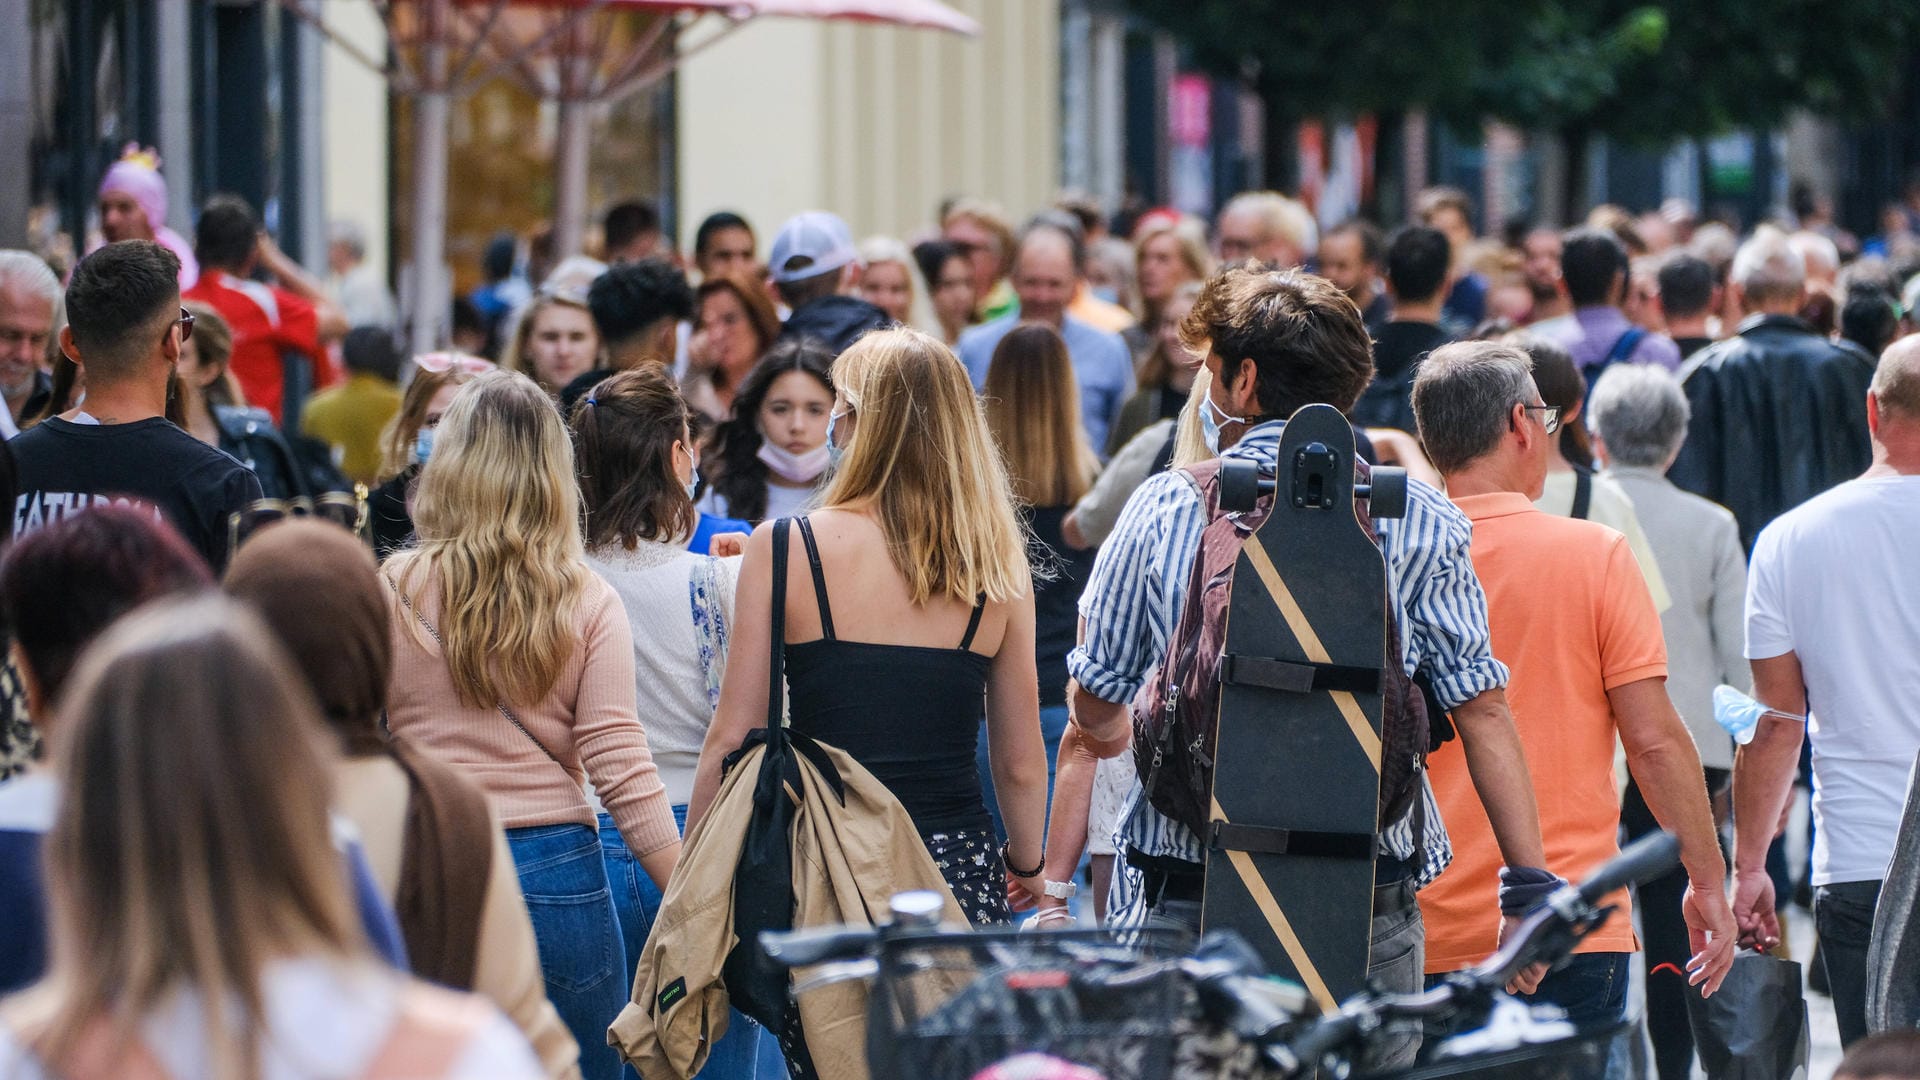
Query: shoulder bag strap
[(1582, 494), (500, 705), (776, 661)]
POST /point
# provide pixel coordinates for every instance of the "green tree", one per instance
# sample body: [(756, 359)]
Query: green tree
[(1636, 70)]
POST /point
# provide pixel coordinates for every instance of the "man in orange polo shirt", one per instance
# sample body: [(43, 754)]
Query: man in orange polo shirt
[(1570, 614)]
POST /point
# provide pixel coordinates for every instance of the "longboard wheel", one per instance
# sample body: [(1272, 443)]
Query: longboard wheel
[(1239, 485), (1387, 494)]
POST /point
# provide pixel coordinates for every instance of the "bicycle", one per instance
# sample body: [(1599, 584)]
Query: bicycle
[(948, 1003)]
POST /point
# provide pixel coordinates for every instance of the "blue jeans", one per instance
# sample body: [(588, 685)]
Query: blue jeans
[(574, 924), (741, 1054)]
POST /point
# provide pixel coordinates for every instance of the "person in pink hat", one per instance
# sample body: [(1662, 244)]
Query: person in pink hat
[(133, 206)]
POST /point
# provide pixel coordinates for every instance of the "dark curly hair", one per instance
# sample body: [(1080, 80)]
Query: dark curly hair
[(632, 298), (740, 476)]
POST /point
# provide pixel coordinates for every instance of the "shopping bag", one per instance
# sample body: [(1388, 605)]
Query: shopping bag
[(1755, 1026)]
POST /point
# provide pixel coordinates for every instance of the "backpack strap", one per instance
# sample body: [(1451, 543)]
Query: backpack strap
[(1582, 493), (1622, 350), (431, 1029)]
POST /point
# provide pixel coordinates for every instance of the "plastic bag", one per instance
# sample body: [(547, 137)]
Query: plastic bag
[(1755, 1027)]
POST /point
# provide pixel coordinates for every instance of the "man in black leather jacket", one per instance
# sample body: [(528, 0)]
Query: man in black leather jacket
[(1779, 412)]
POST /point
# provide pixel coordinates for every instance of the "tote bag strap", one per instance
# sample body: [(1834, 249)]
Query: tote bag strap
[(776, 660)]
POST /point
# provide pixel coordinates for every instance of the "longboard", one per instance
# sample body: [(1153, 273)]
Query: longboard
[(1290, 848)]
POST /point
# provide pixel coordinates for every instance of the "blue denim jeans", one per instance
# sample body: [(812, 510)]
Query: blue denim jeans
[(574, 924), (741, 1054), (1053, 724), (1591, 987)]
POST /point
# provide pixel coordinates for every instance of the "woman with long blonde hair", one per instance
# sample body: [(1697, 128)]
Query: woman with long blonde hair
[(918, 526), (514, 663), (1033, 411), (201, 925)]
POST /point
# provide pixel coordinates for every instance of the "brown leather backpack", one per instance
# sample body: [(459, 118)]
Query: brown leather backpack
[(1176, 714)]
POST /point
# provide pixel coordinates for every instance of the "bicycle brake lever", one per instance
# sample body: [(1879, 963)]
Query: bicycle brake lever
[(838, 972)]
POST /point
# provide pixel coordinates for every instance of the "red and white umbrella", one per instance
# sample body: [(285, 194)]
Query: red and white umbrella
[(561, 50)]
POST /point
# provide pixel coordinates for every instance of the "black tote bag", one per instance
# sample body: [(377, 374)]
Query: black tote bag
[(1755, 1027)]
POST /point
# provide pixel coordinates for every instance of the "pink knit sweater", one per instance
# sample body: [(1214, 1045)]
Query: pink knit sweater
[(587, 721)]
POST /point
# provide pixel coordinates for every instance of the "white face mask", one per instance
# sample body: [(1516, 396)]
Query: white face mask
[(1212, 419), (794, 468)]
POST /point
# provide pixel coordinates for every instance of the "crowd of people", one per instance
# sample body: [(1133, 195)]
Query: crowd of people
[(382, 712)]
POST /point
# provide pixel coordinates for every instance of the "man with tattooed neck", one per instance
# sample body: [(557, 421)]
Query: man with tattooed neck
[(124, 329)]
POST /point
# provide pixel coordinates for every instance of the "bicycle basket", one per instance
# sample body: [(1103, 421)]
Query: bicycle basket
[(947, 1005)]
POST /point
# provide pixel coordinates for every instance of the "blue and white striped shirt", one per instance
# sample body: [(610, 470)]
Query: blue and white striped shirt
[(1133, 599)]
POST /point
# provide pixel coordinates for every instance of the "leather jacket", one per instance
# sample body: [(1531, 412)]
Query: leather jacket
[(1779, 416)]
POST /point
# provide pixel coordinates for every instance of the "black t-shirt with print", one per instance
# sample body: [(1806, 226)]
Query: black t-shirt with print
[(65, 467)]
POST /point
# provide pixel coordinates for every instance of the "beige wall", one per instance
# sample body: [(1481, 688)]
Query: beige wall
[(875, 123), (355, 112)]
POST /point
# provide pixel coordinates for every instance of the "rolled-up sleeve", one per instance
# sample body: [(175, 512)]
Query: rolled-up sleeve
[(1443, 607), (1133, 597)]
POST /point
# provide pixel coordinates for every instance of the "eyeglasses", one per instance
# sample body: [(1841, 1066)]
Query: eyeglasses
[(441, 362), (184, 322), (1549, 416)]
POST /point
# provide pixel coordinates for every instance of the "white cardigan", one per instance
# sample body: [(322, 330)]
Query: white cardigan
[(680, 606)]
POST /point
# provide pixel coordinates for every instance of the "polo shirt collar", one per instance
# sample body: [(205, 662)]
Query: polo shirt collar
[(1494, 504)]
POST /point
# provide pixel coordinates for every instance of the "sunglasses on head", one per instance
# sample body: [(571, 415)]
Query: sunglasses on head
[(440, 362)]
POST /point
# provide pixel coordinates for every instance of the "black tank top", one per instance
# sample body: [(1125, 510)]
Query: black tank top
[(910, 714)]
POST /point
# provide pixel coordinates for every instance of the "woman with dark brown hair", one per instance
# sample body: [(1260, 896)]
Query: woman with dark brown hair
[(768, 458), (735, 326), (637, 466)]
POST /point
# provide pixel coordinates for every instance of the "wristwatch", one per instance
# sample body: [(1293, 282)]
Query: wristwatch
[(1061, 890)]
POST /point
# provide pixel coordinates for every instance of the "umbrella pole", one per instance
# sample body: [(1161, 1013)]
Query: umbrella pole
[(570, 181), (430, 112)]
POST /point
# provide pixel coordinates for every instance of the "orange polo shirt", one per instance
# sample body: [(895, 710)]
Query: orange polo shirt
[(1570, 614)]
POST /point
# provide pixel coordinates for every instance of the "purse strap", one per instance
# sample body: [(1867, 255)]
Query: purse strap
[(500, 705)]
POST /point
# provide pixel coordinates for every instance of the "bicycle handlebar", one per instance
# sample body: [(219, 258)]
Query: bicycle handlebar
[(1643, 860), (819, 945)]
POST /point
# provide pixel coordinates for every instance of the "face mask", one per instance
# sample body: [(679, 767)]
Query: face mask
[(1212, 419), (423, 446), (1106, 292), (693, 484), (834, 450), (796, 468)]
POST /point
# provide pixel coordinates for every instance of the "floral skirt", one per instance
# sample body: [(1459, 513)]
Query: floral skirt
[(970, 861)]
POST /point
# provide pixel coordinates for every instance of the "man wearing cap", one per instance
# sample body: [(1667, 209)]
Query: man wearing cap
[(133, 206), (814, 268), (1049, 266)]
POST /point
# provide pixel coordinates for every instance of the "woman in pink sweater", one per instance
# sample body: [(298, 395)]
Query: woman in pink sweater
[(514, 663)]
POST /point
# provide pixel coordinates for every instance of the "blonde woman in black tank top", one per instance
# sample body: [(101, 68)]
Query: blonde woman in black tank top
[(917, 608)]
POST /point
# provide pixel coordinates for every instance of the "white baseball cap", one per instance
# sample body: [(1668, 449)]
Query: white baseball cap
[(821, 239)]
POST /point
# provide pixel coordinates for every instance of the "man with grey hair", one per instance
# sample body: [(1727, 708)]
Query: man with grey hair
[(356, 286), (1569, 610), (1639, 419), (29, 309), (1049, 269), (1268, 227), (1778, 410), (1833, 619)]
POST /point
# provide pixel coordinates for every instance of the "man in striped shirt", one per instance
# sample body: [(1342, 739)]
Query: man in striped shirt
[(1275, 341)]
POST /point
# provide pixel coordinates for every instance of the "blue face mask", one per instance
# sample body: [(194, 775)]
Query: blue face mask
[(834, 450), (1107, 292), (693, 484), (1212, 418), (423, 446)]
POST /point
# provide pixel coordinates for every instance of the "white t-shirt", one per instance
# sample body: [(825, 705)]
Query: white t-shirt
[(1835, 582)]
